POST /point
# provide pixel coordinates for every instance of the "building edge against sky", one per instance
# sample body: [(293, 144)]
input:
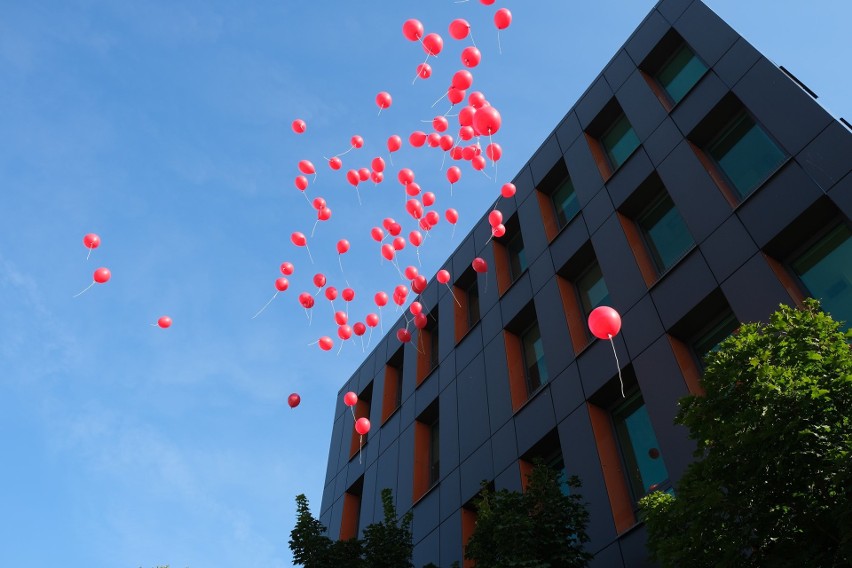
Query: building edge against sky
[(693, 185)]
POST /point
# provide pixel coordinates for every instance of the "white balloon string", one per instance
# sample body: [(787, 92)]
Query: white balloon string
[(90, 253), (362, 344), (360, 445), (308, 317), (453, 233), (341, 347), (419, 263), (499, 45), (370, 338), (311, 205), (314, 228), (344, 153), (443, 159), (439, 100), (358, 193), (310, 256), (390, 157), (333, 311), (470, 32), (381, 321), (617, 365), (264, 306), (352, 408), (311, 319), (453, 294), (86, 288), (340, 262), (490, 143)]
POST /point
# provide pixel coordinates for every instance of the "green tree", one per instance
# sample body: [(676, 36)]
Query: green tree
[(388, 544), (541, 528), (308, 542), (772, 484)]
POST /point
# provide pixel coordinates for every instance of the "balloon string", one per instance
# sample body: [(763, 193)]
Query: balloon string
[(315, 227), (390, 157), (310, 256), (370, 338), (340, 262), (311, 205), (419, 263), (86, 288), (453, 233), (453, 294), (358, 193), (470, 32), (90, 253), (362, 344), (311, 318), (417, 75), (439, 100), (341, 348), (264, 306), (443, 159), (617, 364), (352, 408), (381, 321), (499, 45), (490, 143), (360, 445), (344, 153)]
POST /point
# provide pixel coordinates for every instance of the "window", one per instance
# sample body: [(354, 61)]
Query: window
[(640, 451), (472, 311), (581, 288), (534, 363), (592, 289), (565, 202), (680, 73), (427, 450), (349, 523), (745, 153), (664, 231), (434, 453), (548, 451), (510, 259), (825, 269), (619, 141), (466, 303), (361, 410), (517, 258), (708, 342), (392, 394), (427, 346)]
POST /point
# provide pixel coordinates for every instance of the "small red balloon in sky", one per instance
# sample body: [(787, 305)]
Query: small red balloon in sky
[(403, 335), (287, 268), (164, 322), (335, 163), (326, 343), (479, 265), (604, 322), (362, 426), (470, 56), (299, 126), (433, 44), (92, 241), (424, 70), (443, 276), (350, 399), (502, 18), (412, 29), (459, 29), (306, 167), (508, 190), (293, 400), (342, 246), (383, 100), (281, 284), (394, 143), (357, 141)]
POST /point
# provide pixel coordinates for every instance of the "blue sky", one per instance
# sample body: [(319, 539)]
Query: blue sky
[(164, 126)]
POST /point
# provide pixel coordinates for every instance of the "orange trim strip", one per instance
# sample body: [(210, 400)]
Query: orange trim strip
[(614, 477), (349, 522), (515, 365)]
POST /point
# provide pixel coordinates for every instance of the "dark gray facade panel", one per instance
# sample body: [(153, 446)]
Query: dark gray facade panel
[(509, 478), (371, 500), (523, 184), (598, 210), (327, 497), (334, 519), (641, 106), (535, 419), (621, 185), (568, 130), (476, 469), (696, 196), (491, 323), (646, 36), (541, 271), (408, 410), (826, 158), (450, 495), (661, 143), (451, 542), (427, 392), (619, 69), (333, 454), (567, 392), (529, 217), (727, 248), (386, 475), (775, 205), (641, 326), (516, 297), (593, 101), (425, 515), (469, 347), (736, 62), (489, 294), (390, 432), (448, 415), (497, 379), (405, 471), (705, 32), (545, 158), (682, 287), (553, 325), (463, 256), (597, 364), (504, 447), (609, 557), (427, 550), (482, 236), (841, 195), (474, 426), (753, 291), (673, 9), (633, 550), (446, 328), (569, 241), (583, 170), (621, 273), (447, 371), (699, 102), (785, 110)]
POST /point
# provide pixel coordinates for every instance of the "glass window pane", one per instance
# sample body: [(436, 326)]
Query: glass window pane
[(565, 202), (681, 73), (534, 358), (517, 257), (619, 141), (472, 305), (709, 341), (592, 288), (826, 271), (746, 154), (645, 467), (665, 232)]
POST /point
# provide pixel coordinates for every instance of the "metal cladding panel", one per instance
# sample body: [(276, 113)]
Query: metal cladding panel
[(509, 478), (698, 102), (450, 495), (673, 9), (448, 414), (491, 324), (646, 36), (541, 271), (633, 550), (405, 469), (619, 69), (427, 392), (529, 217), (609, 557), (621, 185), (569, 241), (583, 170), (474, 427), (581, 459), (599, 209), (497, 380), (597, 364), (567, 392), (727, 248), (754, 291), (708, 35), (425, 515), (474, 470), (334, 451), (621, 273), (463, 256), (682, 287), (516, 297), (662, 385), (696, 196), (660, 144), (783, 108), (641, 326), (371, 500), (640, 105), (545, 158), (826, 159), (841, 195), (778, 202), (504, 446), (451, 539), (447, 371), (427, 550), (535, 419), (568, 130), (593, 101), (468, 348), (390, 432), (558, 353), (523, 184), (736, 62)]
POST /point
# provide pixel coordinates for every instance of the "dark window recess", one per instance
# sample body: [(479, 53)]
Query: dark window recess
[(664, 231), (434, 453), (619, 141), (565, 202), (534, 363), (517, 256), (640, 450), (680, 73), (708, 341), (472, 292), (825, 269), (592, 289)]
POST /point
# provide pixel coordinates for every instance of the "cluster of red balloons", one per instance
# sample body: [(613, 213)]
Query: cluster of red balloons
[(362, 425)]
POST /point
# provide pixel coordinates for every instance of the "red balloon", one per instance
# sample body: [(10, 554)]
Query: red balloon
[(455, 96), (318, 203), (394, 228), (377, 234), (293, 400), (478, 163), (466, 133), (502, 18), (477, 100), (487, 120), (381, 299), (424, 70), (462, 80), (412, 29), (165, 321), (420, 320), (377, 177), (466, 115), (498, 230), (324, 214), (331, 293), (494, 152), (287, 268), (306, 167), (479, 265), (319, 280), (412, 189), (341, 318), (342, 246), (415, 238), (508, 190), (414, 208), (459, 29), (353, 178), (281, 284), (401, 290), (433, 139), (383, 100), (417, 138), (433, 44), (299, 126), (102, 275), (411, 272), (359, 328), (362, 426), (415, 308), (487, 2), (348, 294), (356, 141), (452, 216), (446, 142), (495, 218), (453, 174), (443, 276), (388, 252), (440, 123), (350, 399), (418, 284), (398, 243), (378, 165), (301, 183), (363, 174), (394, 143), (470, 56), (405, 176), (335, 163), (403, 335), (344, 332), (456, 153), (604, 322), (428, 199), (306, 300), (372, 320), (326, 343), (298, 239), (92, 241)]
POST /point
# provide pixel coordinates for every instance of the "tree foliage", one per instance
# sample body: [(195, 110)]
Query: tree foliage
[(772, 484), (541, 528), (389, 544)]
